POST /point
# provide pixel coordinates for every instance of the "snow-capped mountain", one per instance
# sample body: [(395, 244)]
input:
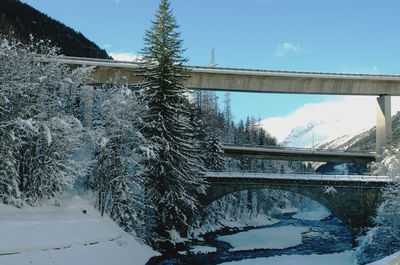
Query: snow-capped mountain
[(303, 135), (343, 142), (327, 124)]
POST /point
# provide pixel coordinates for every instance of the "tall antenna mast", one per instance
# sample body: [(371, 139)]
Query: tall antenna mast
[(212, 61)]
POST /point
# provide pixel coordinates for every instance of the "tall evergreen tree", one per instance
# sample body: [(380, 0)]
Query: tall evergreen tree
[(170, 165), (214, 159)]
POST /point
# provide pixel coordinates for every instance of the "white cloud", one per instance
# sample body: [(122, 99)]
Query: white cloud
[(287, 47), (128, 57), (348, 115)]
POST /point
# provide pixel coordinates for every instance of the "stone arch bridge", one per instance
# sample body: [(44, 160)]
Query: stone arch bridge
[(353, 199)]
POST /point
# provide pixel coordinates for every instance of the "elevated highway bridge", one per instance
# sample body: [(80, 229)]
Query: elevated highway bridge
[(265, 81)]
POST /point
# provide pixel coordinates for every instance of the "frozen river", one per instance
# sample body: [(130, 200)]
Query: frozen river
[(310, 236)]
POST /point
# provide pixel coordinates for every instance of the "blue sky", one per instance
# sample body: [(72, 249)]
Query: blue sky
[(310, 35)]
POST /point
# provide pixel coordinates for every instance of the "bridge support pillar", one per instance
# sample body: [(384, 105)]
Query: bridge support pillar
[(250, 199), (252, 165), (88, 105), (383, 123)]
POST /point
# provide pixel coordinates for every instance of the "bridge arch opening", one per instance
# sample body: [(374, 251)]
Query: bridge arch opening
[(268, 206), (353, 203), (270, 202)]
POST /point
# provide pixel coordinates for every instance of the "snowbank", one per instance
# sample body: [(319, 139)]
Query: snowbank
[(266, 238), (65, 235)]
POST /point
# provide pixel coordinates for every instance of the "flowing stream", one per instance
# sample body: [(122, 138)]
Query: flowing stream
[(317, 237)]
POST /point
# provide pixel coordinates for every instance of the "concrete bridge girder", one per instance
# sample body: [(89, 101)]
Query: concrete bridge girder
[(296, 154), (354, 203)]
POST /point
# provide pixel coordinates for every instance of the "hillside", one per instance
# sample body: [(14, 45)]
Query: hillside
[(368, 142), (21, 20), (365, 141)]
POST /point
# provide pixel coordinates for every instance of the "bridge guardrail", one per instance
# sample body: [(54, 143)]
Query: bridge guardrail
[(305, 73), (362, 178), (232, 69)]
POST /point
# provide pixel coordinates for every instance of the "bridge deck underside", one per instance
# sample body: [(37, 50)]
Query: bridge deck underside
[(298, 155)]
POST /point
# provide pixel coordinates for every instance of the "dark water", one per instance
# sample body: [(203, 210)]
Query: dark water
[(323, 237)]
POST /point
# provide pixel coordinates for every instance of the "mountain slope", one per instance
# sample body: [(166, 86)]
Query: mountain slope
[(365, 140), (326, 121), (21, 20)]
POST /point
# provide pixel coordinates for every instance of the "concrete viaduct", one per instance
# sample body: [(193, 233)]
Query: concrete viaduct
[(266, 81), (353, 199)]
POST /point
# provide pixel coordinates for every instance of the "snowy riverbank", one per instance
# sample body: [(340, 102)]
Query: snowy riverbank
[(65, 235)]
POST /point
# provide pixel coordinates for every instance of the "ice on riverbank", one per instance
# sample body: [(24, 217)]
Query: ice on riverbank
[(266, 238), (312, 211), (259, 220), (343, 258), (202, 249)]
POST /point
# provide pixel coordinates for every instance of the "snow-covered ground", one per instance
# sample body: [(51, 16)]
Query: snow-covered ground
[(65, 235), (266, 238)]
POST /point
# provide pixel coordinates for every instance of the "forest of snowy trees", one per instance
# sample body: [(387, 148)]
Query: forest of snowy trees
[(148, 145), (146, 148)]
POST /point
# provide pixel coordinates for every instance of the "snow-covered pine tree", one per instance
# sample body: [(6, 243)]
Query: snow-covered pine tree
[(199, 130), (214, 159), (229, 128), (113, 175), (170, 167), (384, 239)]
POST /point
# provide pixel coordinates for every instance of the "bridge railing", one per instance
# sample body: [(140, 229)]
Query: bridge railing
[(233, 170), (361, 178), (283, 72), (81, 60), (279, 147)]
